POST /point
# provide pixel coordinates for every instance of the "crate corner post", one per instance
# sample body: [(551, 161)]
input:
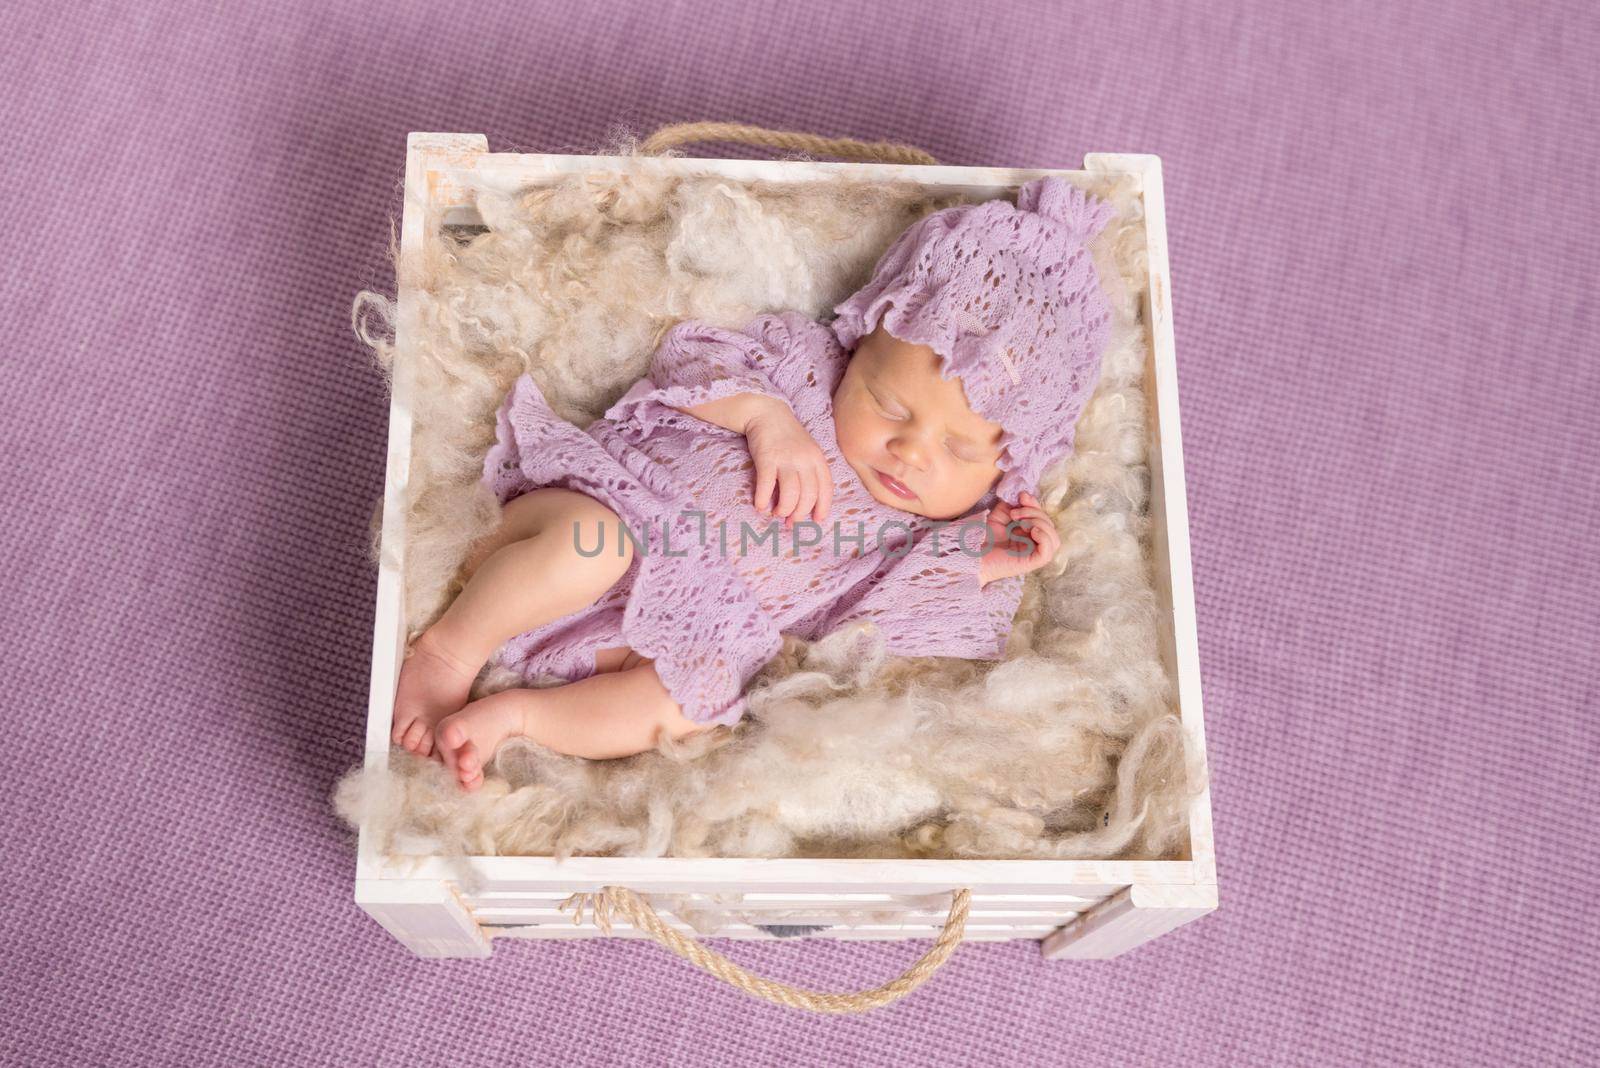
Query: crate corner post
[(446, 145), (426, 915), (1128, 919)]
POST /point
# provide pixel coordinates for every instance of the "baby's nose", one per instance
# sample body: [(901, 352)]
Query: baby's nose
[(910, 451)]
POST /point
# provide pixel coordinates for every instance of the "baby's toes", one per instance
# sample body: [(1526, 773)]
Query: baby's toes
[(468, 765), (451, 738), (414, 736)]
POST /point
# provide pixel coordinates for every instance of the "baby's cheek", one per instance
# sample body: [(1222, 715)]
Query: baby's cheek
[(847, 433)]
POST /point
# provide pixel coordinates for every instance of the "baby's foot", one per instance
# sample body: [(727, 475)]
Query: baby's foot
[(433, 684), (468, 739)]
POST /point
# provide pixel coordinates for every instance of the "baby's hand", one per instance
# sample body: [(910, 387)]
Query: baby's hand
[(789, 461), (1031, 543)]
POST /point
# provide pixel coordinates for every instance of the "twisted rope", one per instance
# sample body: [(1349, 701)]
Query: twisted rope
[(610, 900), (786, 140)]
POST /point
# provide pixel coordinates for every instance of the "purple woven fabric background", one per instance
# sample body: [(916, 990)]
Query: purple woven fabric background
[(1384, 251)]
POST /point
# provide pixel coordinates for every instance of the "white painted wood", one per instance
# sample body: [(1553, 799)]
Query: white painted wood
[(1173, 570), (1049, 920), (1046, 901), (454, 183), (510, 172), (1109, 905), (910, 928), (389, 625), (427, 915), (1090, 879), (1129, 919), (1023, 902), (538, 909), (754, 935)]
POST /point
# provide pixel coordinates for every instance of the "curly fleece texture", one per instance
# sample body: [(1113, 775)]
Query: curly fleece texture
[(1068, 748)]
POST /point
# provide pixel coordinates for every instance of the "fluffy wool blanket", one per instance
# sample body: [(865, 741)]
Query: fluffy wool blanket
[(1068, 748)]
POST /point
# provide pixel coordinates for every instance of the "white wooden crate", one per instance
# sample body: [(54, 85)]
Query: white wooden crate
[(1078, 909)]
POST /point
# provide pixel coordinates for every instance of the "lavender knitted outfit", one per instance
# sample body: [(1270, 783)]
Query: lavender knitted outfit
[(1006, 295)]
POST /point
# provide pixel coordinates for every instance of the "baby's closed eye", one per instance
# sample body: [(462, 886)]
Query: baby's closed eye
[(963, 449), (887, 408)]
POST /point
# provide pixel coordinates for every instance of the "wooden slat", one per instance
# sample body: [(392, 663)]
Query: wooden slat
[(762, 901), (509, 172), (389, 625), (674, 875), (751, 935), (977, 915), (883, 930), (1173, 569)]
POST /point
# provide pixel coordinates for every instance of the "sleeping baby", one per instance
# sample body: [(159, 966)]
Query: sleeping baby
[(793, 477)]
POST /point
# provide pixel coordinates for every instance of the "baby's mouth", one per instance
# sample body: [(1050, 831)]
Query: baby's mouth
[(895, 486)]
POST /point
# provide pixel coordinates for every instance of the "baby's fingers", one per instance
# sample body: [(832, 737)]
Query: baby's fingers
[(788, 491), (766, 478), (808, 493), (824, 492), (1020, 541), (1045, 539), (1048, 531)]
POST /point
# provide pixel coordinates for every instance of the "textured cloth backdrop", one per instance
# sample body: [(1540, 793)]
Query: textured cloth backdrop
[(1383, 237)]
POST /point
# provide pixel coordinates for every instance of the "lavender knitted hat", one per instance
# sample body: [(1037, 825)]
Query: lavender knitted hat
[(1008, 297)]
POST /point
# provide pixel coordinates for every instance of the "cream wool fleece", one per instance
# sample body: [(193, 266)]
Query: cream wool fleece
[(1069, 747)]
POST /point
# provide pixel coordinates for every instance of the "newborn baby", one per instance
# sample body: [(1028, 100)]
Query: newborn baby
[(792, 477)]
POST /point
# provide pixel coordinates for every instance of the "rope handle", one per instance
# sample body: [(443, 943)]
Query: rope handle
[(787, 140), (639, 912)]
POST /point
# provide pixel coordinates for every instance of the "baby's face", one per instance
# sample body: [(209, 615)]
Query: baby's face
[(908, 432)]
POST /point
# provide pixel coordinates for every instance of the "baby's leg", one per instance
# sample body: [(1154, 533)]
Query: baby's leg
[(527, 572), (616, 714)]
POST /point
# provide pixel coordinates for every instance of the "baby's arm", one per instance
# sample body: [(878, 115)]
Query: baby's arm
[(726, 378), (787, 457), (944, 596), (707, 371), (738, 411)]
